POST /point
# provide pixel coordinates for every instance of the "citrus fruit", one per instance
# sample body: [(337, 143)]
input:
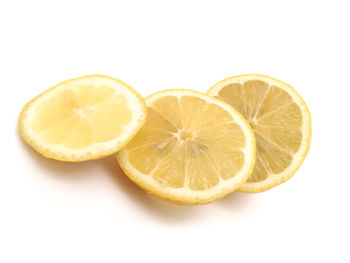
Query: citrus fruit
[(192, 149), (83, 118), (281, 122)]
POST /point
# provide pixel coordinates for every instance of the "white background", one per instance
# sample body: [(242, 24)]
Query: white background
[(90, 212)]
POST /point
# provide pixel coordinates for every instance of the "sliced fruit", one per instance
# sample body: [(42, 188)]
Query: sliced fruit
[(83, 118), (192, 149), (281, 122)]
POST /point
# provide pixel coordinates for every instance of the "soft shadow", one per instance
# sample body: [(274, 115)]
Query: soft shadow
[(68, 170), (234, 202), (78, 171), (237, 201), (144, 200)]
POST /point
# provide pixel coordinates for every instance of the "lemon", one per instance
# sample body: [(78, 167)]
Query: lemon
[(192, 149), (281, 122), (83, 118)]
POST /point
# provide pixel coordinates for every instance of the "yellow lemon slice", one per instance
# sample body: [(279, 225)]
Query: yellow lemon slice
[(281, 122), (192, 149), (83, 118)]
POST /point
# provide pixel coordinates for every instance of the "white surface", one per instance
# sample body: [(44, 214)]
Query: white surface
[(90, 212)]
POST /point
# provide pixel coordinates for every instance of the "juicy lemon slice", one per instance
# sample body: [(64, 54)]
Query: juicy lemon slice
[(83, 118), (281, 122), (192, 149)]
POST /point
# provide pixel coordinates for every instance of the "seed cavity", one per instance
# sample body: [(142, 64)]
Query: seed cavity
[(161, 146), (198, 148)]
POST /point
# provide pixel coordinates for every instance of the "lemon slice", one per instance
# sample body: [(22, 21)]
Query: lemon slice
[(192, 149), (83, 118), (281, 122)]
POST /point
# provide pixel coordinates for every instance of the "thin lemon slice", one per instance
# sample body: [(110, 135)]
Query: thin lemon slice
[(281, 122), (192, 149), (83, 118)]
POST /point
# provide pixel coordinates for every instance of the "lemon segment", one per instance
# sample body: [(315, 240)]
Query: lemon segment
[(82, 119), (192, 148), (280, 120)]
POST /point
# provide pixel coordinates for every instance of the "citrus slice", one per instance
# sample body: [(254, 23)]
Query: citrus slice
[(83, 118), (192, 149), (281, 122)]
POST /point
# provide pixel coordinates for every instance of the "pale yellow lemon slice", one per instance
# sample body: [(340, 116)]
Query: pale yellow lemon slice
[(192, 149), (83, 118), (281, 122)]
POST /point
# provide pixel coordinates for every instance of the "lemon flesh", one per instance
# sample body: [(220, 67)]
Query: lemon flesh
[(81, 119), (281, 122), (192, 148)]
